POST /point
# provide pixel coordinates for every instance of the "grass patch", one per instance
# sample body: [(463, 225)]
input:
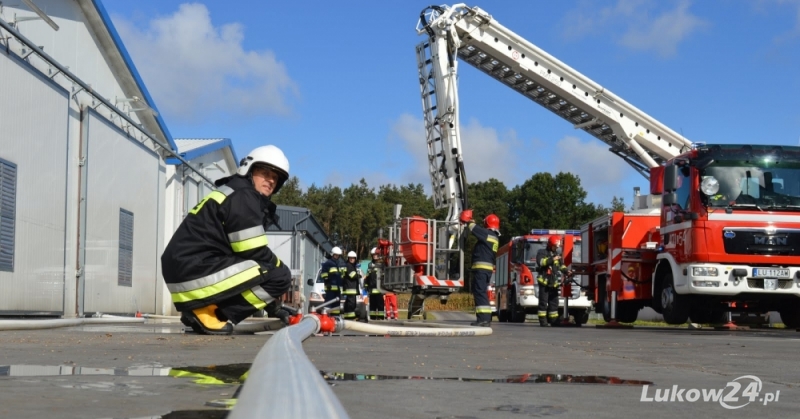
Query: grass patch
[(456, 302)]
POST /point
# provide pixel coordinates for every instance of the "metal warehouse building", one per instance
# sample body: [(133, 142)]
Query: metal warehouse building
[(92, 184), (82, 166)]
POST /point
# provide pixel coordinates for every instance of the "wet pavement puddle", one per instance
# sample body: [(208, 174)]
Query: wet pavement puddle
[(513, 379)]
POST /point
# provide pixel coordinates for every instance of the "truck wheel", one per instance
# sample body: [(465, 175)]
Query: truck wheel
[(515, 314), (627, 311), (580, 316), (675, 306), (790, 315), (502, 316)]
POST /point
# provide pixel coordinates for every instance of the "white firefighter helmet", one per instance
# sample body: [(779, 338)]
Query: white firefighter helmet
[(268, 155), (351, 254), (336, 251), (373, 251)]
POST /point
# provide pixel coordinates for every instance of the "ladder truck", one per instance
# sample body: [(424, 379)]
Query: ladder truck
[(720, 230)]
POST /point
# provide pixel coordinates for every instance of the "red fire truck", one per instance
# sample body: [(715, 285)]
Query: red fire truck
[(515, 276), (720, 232)]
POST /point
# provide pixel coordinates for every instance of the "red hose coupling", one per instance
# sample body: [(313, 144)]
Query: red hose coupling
[(327, 324), (293, 320)]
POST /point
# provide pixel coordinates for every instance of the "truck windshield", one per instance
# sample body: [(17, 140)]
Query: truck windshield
[(531, 249), (763, 183)]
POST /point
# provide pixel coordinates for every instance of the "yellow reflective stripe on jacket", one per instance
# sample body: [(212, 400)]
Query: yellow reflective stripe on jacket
[(333, 270), (224, 285), (352, 274), (324, 275), (483, 265), (350, 292), (248, 239), (375, 291), (253, 300), (249, 244), (217, 196), (211, 279)]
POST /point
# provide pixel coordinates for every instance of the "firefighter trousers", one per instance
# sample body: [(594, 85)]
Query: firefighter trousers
[(376, 309), (480, 287), (277, 281), (548, 304), (350, 305), (332, 294)]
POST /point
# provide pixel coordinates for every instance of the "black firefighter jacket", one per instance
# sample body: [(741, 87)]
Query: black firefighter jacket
[(220, 248)]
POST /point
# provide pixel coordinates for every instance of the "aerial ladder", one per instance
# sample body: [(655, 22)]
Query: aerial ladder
[(469, 34), (426, 256)]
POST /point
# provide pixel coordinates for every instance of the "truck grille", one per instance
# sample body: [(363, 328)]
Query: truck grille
[(783, 284), (761, 242)]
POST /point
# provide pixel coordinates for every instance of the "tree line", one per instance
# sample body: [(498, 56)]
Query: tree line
[(352, 216)]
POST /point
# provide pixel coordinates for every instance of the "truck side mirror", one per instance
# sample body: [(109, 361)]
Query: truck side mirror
[(669, 198), (670, 178), (310, 282)]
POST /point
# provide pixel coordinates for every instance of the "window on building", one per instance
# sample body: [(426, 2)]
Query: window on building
[(8, 213), (125, 277)]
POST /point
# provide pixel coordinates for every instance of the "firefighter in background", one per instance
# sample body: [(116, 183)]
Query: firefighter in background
[(371, 284), (552, 272), (483, 257), (332, 277), (390, 304), (350, 281), (217, 266)]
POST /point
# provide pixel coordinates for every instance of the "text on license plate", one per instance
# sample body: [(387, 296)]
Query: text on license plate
[(770, 273)]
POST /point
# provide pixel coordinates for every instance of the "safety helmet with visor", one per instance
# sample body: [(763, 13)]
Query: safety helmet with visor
[(269, 157)]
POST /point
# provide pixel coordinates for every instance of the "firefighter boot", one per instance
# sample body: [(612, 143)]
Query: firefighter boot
[(205, 321)]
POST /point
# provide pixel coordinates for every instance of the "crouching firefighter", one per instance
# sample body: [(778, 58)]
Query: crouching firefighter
[(483, 257), (350, 281), (217, 266), (552, 271)]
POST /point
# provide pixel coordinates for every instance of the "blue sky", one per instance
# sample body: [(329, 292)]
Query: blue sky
[(334, 84)]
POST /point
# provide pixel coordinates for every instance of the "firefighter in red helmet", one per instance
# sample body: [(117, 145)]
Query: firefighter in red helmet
[(552, 271), (483, 257)]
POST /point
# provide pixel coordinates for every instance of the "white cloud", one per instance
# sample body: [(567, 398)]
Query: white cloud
[(602, 173), (486, 154), (642, 27), (664, 32), (193, 68)]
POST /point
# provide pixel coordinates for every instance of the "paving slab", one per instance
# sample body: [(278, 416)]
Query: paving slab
[(521, 370)]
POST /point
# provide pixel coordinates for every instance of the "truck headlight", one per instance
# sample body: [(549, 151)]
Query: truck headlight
[(704, 271), (527, 292)]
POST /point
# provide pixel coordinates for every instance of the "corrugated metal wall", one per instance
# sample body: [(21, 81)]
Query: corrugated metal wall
[(122, 175), (33, 136)]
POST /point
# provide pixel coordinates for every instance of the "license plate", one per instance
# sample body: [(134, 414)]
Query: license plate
[(770, 284), (770, 273)]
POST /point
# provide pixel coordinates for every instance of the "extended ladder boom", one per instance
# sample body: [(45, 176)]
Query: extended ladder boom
[(438, 79), (639, 139)]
